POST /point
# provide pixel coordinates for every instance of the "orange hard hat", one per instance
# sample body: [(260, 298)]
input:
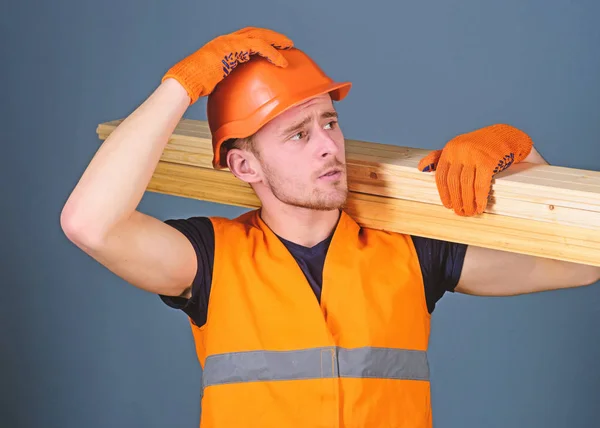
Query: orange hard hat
[(257, 91)]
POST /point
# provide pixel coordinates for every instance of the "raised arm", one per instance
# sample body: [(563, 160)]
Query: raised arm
[(101, 216)]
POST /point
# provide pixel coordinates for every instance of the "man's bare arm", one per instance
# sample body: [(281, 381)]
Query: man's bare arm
[(488, 272), (101, 216)]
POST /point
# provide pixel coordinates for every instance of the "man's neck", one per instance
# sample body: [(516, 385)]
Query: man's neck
[(300, 225)]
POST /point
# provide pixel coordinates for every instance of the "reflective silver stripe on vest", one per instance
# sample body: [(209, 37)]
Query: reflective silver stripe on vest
[(315, 363)]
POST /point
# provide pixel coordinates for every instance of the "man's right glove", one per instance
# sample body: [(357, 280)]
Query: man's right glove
[(201, 71)]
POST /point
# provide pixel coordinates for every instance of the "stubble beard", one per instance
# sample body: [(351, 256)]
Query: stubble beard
[(315, 199)]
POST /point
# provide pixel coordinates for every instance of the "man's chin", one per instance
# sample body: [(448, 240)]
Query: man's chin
[(335, 201), (324, 203)]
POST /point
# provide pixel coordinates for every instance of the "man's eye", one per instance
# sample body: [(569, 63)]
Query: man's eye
[(298, 136), (331, 124)]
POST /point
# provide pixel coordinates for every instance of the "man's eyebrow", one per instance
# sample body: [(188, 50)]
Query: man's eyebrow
[(329, 114), (295, 127)]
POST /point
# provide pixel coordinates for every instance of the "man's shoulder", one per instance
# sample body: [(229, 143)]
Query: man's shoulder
[(217, 228), (241, 219), (417, 239), (426, 248), (240, 223), (384, 232), (192, 226)]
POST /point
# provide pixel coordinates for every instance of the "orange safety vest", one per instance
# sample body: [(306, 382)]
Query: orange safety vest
[(273, 357)]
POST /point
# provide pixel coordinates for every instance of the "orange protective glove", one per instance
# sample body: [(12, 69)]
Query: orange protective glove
[(201, 71), (467, 164)]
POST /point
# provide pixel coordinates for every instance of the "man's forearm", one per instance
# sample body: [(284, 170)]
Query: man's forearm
[(114, 182)]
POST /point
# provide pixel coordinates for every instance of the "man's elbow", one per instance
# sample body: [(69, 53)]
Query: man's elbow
[(80, 232)]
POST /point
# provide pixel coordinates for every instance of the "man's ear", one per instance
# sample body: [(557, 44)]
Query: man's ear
[(244, 165)]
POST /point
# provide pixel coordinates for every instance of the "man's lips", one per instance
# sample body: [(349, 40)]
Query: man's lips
[(331, 174)]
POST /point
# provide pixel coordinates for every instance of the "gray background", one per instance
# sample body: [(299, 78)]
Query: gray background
[(81, 348)]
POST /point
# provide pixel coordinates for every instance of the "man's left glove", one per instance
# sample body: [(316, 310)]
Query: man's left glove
[(467, 164)]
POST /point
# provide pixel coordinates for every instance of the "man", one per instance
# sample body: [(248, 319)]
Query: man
[(301, 318)]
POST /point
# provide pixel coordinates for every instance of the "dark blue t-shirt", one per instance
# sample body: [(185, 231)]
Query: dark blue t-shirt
[(441, 265)]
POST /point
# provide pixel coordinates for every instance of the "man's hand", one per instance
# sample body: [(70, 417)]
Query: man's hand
[(467, 164), (200, 72)]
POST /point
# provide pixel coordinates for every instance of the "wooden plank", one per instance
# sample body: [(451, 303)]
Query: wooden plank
[(546, 193), (540, 210), (396, 215)]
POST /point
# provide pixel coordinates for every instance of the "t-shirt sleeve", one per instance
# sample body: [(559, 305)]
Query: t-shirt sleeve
[(200, 232), (441, 266)]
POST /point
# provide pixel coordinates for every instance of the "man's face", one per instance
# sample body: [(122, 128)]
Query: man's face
[(302, 156)]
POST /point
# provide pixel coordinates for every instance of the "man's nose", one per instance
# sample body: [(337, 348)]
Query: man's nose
[(327, 145)]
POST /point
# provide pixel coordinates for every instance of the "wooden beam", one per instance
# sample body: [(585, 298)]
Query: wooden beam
[(541, 210)]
